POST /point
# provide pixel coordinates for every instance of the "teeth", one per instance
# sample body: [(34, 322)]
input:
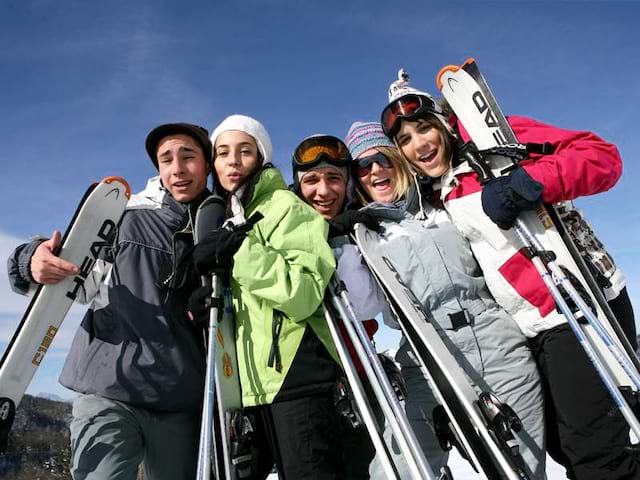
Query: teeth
[(428, 155)]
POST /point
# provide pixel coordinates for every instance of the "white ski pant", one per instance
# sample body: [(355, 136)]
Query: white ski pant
[(110, 439), (496, 357)]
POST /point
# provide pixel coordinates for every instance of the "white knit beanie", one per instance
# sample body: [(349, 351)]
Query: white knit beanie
[(249, 126)]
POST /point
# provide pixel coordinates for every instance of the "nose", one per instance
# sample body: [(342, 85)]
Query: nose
[(234, 157), (322, 188), (177, 166), (376, 167), (418, 140)]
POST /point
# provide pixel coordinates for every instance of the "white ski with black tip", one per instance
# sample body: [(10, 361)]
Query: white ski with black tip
[(488, 456)]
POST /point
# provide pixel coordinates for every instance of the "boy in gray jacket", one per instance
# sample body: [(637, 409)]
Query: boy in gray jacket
[(136, 359)]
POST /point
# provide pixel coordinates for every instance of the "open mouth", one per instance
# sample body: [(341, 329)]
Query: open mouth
[(381, 184), (324, 205), (428, 157), (182, 184)]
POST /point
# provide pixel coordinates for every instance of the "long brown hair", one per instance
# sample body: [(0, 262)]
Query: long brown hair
[(446, 138)]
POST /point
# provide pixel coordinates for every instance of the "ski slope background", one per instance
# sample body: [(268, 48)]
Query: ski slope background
[(82, 83)]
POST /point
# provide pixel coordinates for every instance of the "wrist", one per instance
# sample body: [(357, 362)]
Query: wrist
[(24, 262)]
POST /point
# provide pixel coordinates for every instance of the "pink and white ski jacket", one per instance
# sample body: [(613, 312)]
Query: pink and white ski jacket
[(582, 164)]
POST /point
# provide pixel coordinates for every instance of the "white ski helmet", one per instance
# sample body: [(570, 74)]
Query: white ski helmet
[(399, 89)]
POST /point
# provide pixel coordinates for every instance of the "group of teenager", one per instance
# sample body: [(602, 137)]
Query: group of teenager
[(138, 358)]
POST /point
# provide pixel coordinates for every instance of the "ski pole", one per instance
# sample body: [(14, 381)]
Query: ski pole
[(209, 217), (479, 165), (394, 413), (364, 407), (597, 362), (561, 279), (594, 287), (206, 427)]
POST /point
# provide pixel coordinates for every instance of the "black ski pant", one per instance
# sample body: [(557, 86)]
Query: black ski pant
[(585, 431), (358, 449), (622, 309), (301, 436)]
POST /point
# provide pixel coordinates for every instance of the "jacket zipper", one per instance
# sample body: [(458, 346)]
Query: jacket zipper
[(274, 353)]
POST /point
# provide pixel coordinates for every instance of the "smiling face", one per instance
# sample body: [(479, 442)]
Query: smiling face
[(325, 190), (236, 157), (423, 144), (182, 166), (380, 182)]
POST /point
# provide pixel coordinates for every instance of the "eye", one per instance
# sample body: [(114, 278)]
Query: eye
[(221, 153), (402, 140), (424, 127), (306, 180)]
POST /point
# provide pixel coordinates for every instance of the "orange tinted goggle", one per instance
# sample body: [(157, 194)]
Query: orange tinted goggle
[(321, 148), (408, 107)]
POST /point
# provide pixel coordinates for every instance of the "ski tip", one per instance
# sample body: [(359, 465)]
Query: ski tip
[(452, 68), (121, 180), (443, 70)]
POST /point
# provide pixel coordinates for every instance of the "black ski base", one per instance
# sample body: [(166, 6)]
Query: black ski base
[(7, 415)]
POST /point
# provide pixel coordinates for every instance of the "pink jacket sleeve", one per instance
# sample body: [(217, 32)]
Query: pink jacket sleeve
[(582, 163)]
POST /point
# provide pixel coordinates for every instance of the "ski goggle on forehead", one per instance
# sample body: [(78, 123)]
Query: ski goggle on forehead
[(322, 148), (408, 107)]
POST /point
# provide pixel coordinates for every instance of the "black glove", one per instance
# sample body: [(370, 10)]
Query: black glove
[(343, 223), (503, 198), (214, 253), (199, 305)]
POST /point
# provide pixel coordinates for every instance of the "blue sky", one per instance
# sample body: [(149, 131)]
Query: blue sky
[(83, 82)]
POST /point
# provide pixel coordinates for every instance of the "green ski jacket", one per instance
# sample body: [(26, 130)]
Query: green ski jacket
[(278, 282)]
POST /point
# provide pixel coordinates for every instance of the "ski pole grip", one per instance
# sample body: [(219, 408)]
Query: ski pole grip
[(470, 153)]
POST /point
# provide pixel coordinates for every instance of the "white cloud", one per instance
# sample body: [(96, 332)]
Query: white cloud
[(10, 302)]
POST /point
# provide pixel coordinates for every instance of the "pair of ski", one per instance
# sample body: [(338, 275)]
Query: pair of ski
[(546, 240), (478, 424)]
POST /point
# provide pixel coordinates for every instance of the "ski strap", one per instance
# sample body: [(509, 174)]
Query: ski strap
[(519, 151)]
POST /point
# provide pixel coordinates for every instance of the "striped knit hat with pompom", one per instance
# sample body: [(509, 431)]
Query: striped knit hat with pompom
[(363, 136)]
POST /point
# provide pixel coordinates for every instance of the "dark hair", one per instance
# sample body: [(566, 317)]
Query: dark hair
[(446, 138)]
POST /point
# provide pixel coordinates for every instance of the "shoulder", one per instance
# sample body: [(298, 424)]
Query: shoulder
[(149, 218), (150, 198)]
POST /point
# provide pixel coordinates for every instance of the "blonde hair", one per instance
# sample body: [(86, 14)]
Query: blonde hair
[(403, 176)]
